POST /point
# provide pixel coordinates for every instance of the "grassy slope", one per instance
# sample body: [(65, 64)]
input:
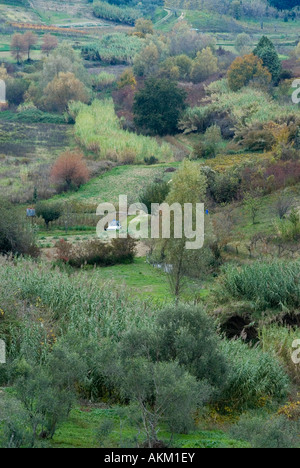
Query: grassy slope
[(80, 431), (226, 28), (122, 180), (266, 215), (146, 281), (49, 12)]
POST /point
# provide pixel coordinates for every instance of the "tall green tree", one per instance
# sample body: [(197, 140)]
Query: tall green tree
[(266, 51), (188, 186), (157, 107)]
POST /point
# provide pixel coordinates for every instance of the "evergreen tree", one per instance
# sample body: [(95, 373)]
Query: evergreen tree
[(266, 51), (158, 105)]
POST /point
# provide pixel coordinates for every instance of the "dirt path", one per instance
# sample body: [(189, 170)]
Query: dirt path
[(170, 13), (165, 18)]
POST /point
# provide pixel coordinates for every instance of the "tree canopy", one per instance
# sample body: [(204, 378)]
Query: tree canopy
[(158, 105), (284, 4)]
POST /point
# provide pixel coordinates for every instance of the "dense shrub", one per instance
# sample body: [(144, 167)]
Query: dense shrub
[(224, 188), (283, 173), (254, 377), (151, 160), (16, 236), (155, 193), (262, 431), (70, 171), (266, 285), (97, 252), (203, 150), (270, 176), (260, 140), (234, 109), (48, 211), (15, 91)]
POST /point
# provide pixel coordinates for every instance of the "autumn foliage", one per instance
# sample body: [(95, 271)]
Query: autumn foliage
[(22, 44), (246, 69), (17, 47), (64, 88), (70, 171), (49, 43), (29, 40)]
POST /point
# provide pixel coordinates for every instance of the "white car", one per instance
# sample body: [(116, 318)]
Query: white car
[(114, 226)]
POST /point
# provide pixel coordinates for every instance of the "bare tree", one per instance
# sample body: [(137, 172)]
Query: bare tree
[(284, 203)]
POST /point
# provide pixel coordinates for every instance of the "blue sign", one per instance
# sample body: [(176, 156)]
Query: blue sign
[(30, 212)]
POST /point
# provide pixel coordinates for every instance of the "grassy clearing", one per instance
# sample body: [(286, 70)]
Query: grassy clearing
[(142, 279), (81, 432), (147, 282), (127, 180), (266, 215)]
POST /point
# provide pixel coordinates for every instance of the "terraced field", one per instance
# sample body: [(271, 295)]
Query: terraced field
[(33, 140)]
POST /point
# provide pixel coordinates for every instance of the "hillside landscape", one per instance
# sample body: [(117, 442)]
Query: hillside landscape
[(114, 335)]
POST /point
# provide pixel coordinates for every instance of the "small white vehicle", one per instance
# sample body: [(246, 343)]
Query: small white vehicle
[(114, 226)]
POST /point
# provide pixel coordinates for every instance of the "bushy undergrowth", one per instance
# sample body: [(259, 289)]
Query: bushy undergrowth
[(97, 253), (278, 340), (254, 377), (242, 108), (79, 300), (262, 431), (16, 236), (165, 363), (267, 285)]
